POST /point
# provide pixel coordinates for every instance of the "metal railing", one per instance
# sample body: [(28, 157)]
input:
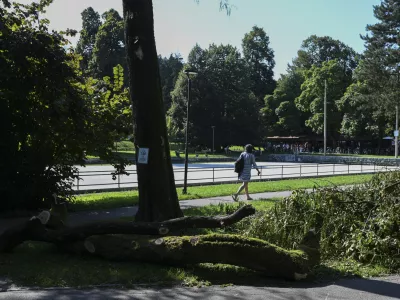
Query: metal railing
[(102, 179)]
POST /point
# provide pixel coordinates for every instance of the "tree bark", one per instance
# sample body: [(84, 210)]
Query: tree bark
[(235, 250), (158, 199), (41, 229)]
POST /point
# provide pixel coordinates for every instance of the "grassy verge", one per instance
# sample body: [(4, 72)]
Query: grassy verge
[(131, 155), (129, 198), (41, 265), (37, 264)]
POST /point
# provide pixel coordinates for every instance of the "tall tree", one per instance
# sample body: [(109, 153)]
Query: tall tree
[(368, 104), (221, 97), (158, 199), (361, 119), (280, 115), (90, 26), (260, 57), (381, 65), (169, 71), (109, 46), (315, 50), (311, 98)]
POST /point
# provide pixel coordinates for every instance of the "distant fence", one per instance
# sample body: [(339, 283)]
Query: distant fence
[(101, 180)]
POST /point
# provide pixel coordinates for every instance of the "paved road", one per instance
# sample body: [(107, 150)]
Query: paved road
[(98, 177), (355, 289)]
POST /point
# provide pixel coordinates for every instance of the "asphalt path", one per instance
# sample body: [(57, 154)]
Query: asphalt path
[(387, 288), (99, 176)]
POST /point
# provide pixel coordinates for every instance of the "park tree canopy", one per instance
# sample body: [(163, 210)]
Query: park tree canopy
[(108, 48), (90, 26), (260, 58), (380, 68), (169, 71), (285, 112), (221, 96), (311, 98)]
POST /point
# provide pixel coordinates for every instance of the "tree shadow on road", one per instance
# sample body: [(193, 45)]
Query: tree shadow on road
[(384, 287)]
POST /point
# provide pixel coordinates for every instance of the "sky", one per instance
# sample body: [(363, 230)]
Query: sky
[(180, 24)]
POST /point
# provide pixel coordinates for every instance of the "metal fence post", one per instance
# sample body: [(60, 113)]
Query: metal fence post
[(317, 169), (282, 172), (300, 171), (361, 167), (333, 169), (119, 181), (374, 167), (348, 168), (77, 181), (213, 174)]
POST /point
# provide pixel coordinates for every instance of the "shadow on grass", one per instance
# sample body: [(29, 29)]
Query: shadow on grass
[(43, 265), (321, 275)]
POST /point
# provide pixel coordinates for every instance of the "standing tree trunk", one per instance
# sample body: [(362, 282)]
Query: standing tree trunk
[(158, 199)]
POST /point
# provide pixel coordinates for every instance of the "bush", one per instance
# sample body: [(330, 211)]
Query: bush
[(125, 146), (49, 114), (361, 222)]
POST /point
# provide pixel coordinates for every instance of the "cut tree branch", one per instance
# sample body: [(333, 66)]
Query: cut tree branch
[(235, 250), (36, 229)]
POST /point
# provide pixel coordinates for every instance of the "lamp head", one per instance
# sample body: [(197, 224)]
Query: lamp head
[(189, 72)]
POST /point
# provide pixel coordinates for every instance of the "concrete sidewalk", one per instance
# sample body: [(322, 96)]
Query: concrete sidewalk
[(82, 217), (92, 216), (109, 214)]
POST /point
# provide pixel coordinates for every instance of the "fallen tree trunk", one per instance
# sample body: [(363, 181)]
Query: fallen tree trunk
[(36, 229), (235, 250), (141, 241)]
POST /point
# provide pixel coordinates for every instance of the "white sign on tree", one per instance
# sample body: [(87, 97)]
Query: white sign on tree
[(143, 157)]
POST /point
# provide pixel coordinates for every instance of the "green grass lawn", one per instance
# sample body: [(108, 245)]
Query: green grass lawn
[(35, 264), (129, 198), (220, 209), (131, 155)]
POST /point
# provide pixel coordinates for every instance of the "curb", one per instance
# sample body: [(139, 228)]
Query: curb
[(96, 161)]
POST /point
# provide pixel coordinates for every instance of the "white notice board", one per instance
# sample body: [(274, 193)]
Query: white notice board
[(143, 157)]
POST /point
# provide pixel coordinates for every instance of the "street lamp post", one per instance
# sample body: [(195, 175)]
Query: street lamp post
[(325, 120), (188, 73), (213, 128), (396, 134), (396, 130)]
